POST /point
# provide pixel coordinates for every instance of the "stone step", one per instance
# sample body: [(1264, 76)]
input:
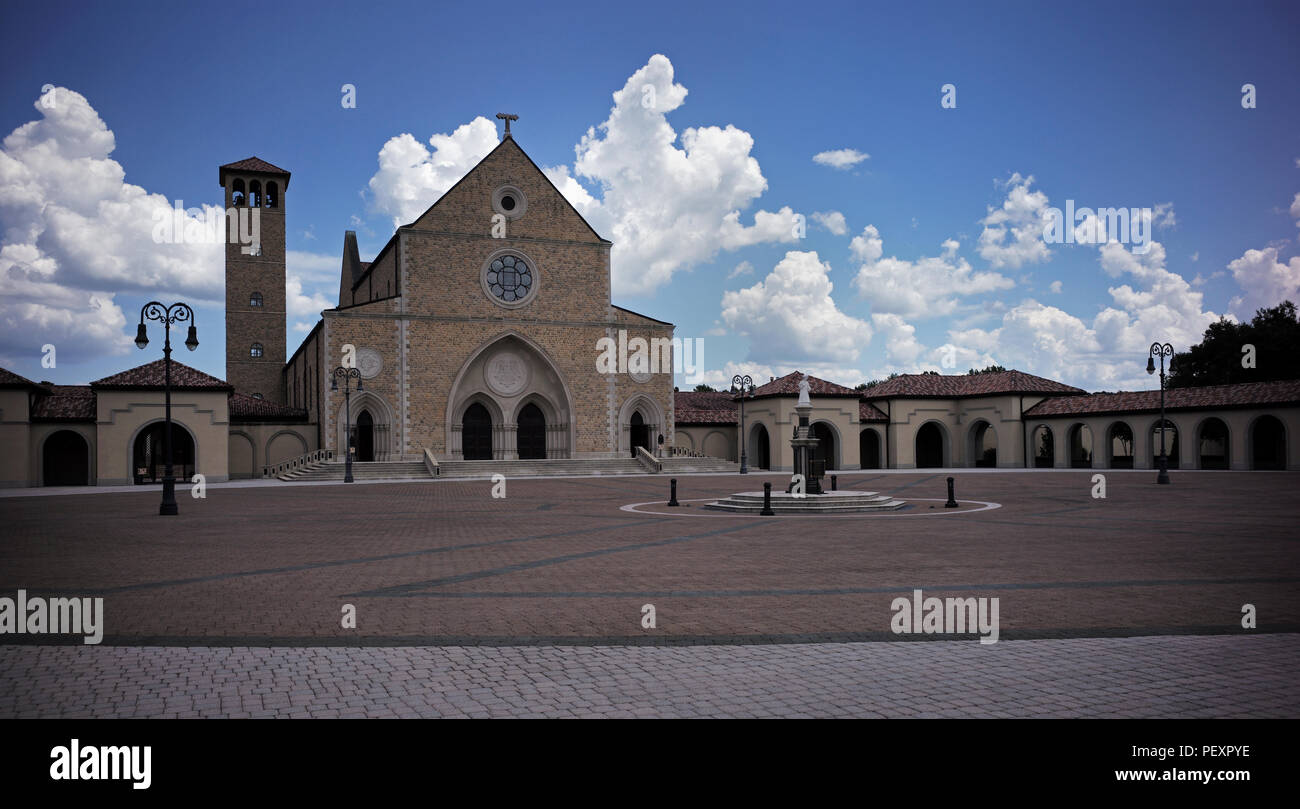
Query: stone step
[(829, 503), (370, 470), (785, 508), (556, 466)]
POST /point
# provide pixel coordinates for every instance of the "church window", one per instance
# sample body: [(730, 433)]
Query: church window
[(272, 195), (255, 194), (509, 278), (237, 194), (255, 299), (255, 351), (509, 201)]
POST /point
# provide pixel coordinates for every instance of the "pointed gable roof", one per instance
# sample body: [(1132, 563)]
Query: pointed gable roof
[(788, 385), (505, 146), (151, 376), (251, 165)]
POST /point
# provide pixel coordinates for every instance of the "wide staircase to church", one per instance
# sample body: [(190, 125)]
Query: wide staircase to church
[(416, 470)]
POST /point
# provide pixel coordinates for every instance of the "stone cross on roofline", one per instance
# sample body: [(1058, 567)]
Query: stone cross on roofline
[(507, 117)]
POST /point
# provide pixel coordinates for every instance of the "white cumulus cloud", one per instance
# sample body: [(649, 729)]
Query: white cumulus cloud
[(842, 159), (411, 176), (926, 287), (1013, 233), (72, 229), (833, 221)]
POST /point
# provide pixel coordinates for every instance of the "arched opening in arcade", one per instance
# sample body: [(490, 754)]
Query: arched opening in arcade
[(65, 460)]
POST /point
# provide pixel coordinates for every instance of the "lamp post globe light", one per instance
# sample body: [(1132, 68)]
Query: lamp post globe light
[(742, 387), (1161, 350), (167, 315), (347, 374)]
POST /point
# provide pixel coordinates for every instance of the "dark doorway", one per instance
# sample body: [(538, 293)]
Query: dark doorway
[(1044, 448), (1081, 447), (825, 449), (66, 460), (984, 445), (929, 447), (640, 433), (532, 433), (1121, 446), (149, 458), (1170, 433), (760, 449), (476, 433), (1268, 444), (364, 439), (1213, 444), (869, 449)]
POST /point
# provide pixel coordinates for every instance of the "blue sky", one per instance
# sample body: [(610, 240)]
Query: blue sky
[(1115, 104)]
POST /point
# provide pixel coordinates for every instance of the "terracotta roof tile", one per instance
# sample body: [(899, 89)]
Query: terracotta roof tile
[(65, 403), (788, 385), (243, 406), (256, 164), (955, 385), (1240, 395), (690, 407), (869, 412), (151, 376), (8, 379)]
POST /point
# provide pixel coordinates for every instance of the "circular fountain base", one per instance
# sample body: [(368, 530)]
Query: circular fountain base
[(838, 502)]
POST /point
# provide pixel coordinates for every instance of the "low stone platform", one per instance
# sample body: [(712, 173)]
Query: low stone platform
[(838, 502)]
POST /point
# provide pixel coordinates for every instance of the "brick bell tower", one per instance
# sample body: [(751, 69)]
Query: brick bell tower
[(255, 276)]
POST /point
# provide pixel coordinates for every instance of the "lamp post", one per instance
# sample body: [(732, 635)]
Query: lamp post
[(1161, 350), (167, 315), (348, 374), (742, 386)]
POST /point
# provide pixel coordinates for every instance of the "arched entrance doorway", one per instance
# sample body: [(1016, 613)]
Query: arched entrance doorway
[(640, 434), (65, 460), (760, 448), (1044, 448), (1121, 446), (869, 449), (825, 449), (1212, 445), (364, 439), (532, 433), (984, 444), (929, 446), (1081, 447), (1267, 444), (1171, 445), (476, 433), (149, 457)]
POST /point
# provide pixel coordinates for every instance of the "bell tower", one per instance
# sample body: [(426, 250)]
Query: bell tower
[(255, 276)]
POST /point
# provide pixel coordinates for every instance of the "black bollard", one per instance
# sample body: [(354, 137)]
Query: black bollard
[(952, 502), (835, 484), (672, 492), (767, 501)]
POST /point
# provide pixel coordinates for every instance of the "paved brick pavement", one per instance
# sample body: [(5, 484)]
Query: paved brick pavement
[(531, 605), (1210, 676), (439, 563)]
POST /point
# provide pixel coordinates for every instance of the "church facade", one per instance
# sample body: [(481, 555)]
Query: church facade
[(476, 332)]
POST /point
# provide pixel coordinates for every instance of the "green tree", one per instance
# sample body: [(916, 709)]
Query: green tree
[(1218, 358), (992, 369), (702, 388)]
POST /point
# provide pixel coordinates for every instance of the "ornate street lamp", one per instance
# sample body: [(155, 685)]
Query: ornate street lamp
[(1161, 350), (348, 374), (743, 387), (167, 315)]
